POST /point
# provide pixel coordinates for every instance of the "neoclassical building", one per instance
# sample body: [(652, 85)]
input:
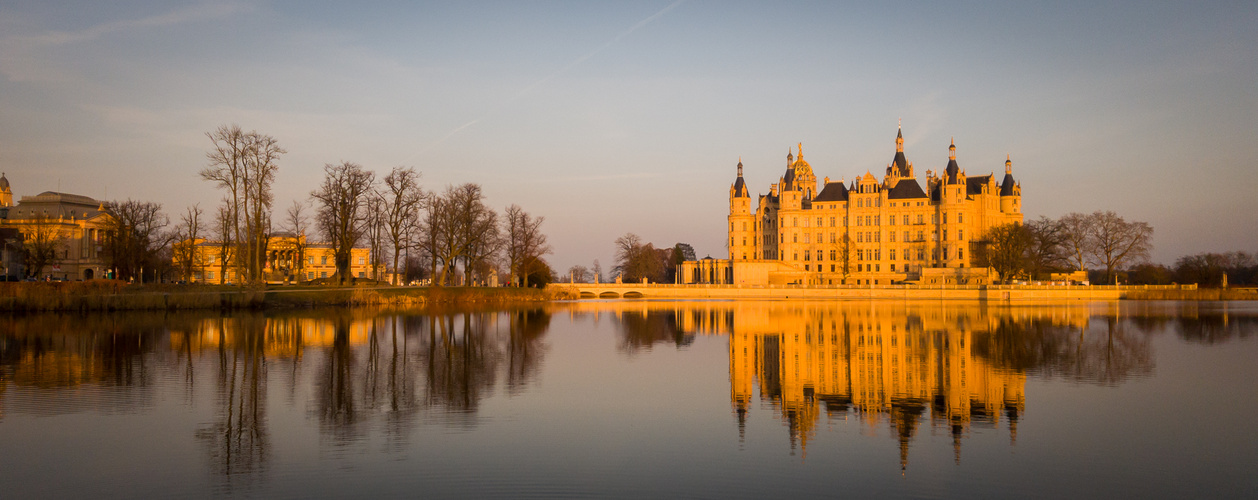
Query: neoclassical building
[(289, 258), (866, 232), (77, 223)]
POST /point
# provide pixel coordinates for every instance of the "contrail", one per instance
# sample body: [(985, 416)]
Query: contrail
[(576, 62)]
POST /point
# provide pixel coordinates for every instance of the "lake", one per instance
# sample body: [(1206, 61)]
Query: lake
[(634, 399)]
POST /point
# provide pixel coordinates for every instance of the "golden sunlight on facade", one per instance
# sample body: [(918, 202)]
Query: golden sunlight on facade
[(866, 232), (289, 259), (73, 225)]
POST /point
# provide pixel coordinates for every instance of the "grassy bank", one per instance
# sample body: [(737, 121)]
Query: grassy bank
[(103, 295)]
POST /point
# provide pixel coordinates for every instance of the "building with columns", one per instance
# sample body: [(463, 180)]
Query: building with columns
[(864, 232), (76, 224)]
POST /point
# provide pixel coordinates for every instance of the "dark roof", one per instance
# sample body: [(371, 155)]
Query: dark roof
[(1006, 185), (906, 189), (934, 193), (788, 180), (900, 163), (974, 185), (834, 191), (740, 188), (950, 173)]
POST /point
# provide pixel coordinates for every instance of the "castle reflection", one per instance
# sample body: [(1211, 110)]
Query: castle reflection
[(953, 366)]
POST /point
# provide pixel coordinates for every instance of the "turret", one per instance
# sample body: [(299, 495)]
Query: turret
[(1010, 191), (742, 224), (6, 194)]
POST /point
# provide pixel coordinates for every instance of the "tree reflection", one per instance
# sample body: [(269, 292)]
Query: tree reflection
[(640, 330), (236, 440), (1107, 355)]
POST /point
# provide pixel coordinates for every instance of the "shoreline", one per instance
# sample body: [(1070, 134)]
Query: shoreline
[(103, 296)]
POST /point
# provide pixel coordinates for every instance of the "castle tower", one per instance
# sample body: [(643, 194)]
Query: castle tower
[(1010, 192), (952, 248), (6, 194), (742, 224)]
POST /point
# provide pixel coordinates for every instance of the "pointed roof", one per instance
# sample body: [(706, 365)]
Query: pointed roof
[(740, 187), (833, 191), (1007, 184), (906, 189)]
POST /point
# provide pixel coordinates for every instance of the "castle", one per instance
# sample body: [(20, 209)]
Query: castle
[(863, 233)]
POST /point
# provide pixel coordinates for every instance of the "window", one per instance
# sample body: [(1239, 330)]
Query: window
[(831, 267), (891, 255), (310, 260), (891, 236), (795, 256), (877, 222), (860, 237), (807, 255), (945, 235), (794, 237), (891, 220), (310, 275), (832, 238), (921, 236), (361, 274), (877, 236), (361, 261), (893, 268), (794, 221), (960, 218), (832, 254), (859, 220), (960, 234), (860, 254), (906, 236), (832, 222), (744, 240), (934, 218), (819, 256), (323, 261), (868, 219), (807, 238), (919, 218), (877, 254), (323, 274), (818, 221), (209, 275), (960, 253)]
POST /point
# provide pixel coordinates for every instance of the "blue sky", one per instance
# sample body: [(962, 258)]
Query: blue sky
[(609, 118)]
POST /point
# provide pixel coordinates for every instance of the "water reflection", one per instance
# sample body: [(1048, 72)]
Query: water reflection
[(950, 367), (912, 369)]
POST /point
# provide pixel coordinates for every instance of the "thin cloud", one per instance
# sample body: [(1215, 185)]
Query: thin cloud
[(205, 11), (575, 62)]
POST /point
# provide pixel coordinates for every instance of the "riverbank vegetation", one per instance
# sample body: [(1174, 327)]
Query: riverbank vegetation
[(111, 295)]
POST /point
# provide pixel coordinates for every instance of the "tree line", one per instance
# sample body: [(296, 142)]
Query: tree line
[(451, 236), (1070, 243)]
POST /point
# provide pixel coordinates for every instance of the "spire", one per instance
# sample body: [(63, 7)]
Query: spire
[(790, 158), (899, 139), (1008, 164), (740, 166), (952, 149), (801, 151)]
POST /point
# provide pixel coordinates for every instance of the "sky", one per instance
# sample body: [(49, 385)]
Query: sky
[(614, 117)]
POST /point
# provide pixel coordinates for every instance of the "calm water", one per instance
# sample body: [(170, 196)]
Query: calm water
[(638, 399)]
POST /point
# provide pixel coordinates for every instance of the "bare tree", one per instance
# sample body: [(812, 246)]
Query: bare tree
[(579, 274), (342, 198), (461, 228), (598, 272), (184, 249), (1004, 249), (1077, 237), (296, 222), (134, 236), (374, 229), (525, 243), (42, 240), (225, 226), (1048, 247), (636, 260), (1117, 242), (404, 198), (244, 164)]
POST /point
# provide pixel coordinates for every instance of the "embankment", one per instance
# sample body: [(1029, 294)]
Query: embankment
[(1194, 294), (102, 295)]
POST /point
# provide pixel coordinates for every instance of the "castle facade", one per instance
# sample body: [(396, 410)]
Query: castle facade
[(866, 232)]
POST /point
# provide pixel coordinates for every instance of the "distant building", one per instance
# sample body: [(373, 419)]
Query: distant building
[(77, 222), (867, 232), (289, 258)]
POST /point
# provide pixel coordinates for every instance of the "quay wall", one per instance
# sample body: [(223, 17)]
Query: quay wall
[(888, 292)]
